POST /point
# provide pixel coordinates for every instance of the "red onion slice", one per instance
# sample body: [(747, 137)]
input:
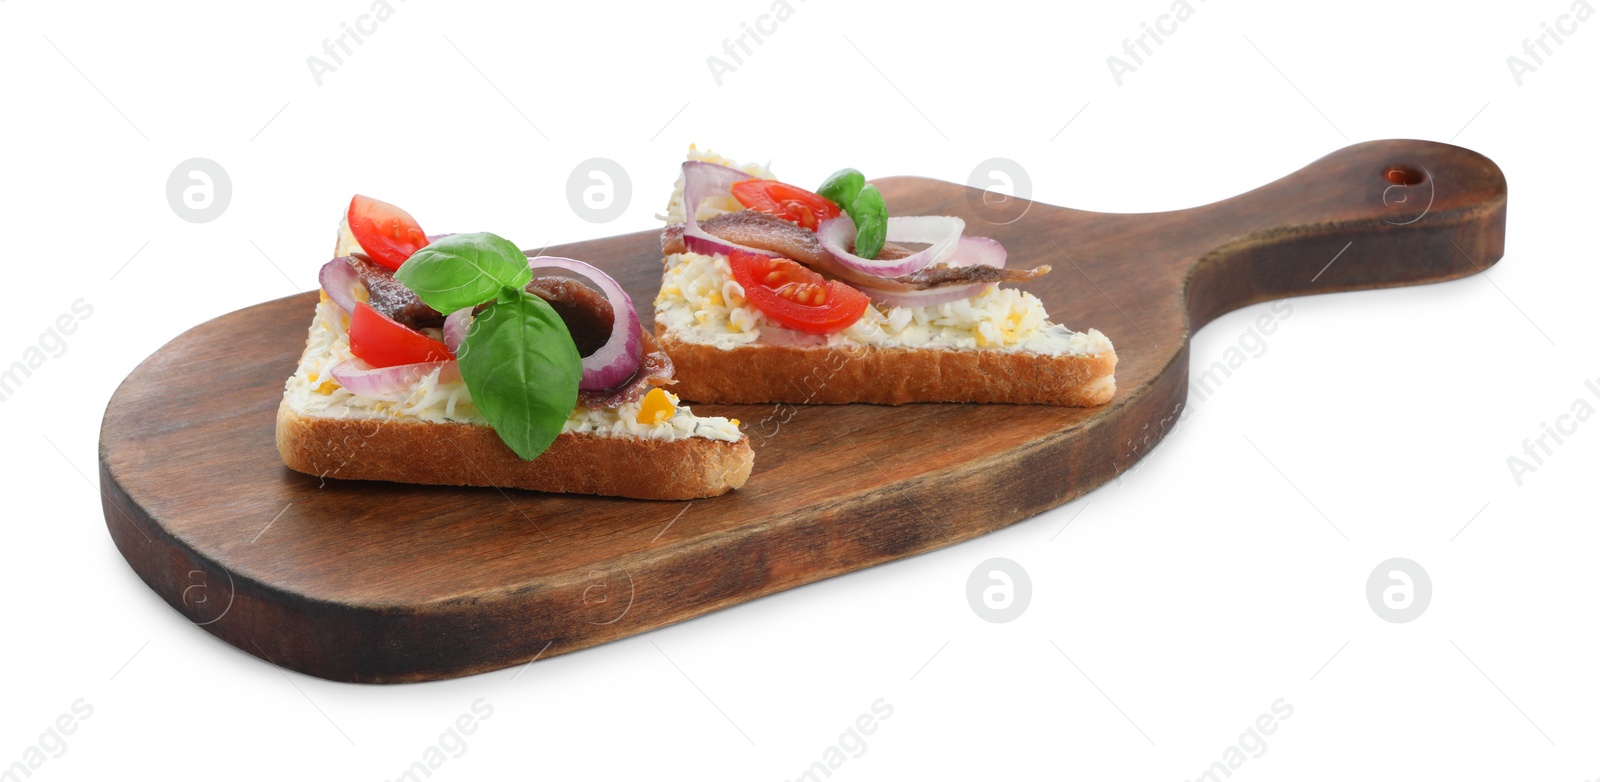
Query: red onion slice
[(340, 282), (703, 180), (939, 233), (615, 362), (970, 251), (714, 246), (978, 251), (389, 383), (455, 329)]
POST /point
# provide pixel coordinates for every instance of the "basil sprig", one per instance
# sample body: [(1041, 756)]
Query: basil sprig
[(464, 270), (849, 189), (843, 187), (518, 359), (523, 369)]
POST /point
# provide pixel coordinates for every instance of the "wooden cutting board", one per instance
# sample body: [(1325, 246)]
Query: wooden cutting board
[(378, 582)]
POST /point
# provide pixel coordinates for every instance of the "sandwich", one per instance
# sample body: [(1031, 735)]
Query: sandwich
[(774, 293), (458, 359)]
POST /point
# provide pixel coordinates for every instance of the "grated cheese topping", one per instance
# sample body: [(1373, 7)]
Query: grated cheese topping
[(702, 303), (312, 390)]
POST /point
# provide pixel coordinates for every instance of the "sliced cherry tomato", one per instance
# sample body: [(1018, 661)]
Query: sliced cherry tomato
[(794, 296), (382, 342), (385, 231), (799, 206)]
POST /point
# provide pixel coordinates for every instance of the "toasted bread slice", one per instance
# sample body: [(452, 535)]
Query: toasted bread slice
[(998, 346), (434, 435), (887, 376), (995, 346)]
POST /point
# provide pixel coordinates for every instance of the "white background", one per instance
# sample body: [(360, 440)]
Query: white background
[(1178, 605)]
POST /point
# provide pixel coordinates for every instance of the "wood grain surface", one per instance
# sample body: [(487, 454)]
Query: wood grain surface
[(378, 582)]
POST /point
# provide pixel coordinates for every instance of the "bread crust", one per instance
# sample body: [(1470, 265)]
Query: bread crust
[(891, 376), (459, 454)]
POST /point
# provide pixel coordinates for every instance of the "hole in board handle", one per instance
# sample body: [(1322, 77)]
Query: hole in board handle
[(1405, 176)]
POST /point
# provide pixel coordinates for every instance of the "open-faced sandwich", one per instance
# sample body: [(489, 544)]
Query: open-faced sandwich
[(774, 293), (459, 360)]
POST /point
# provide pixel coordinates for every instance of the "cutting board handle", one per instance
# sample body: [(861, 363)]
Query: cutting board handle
[(1372, 215)]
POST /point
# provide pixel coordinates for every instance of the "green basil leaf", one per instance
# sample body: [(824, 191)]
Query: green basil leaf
[(522, 368), (871, 216), (464, 270), (843, 187)]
